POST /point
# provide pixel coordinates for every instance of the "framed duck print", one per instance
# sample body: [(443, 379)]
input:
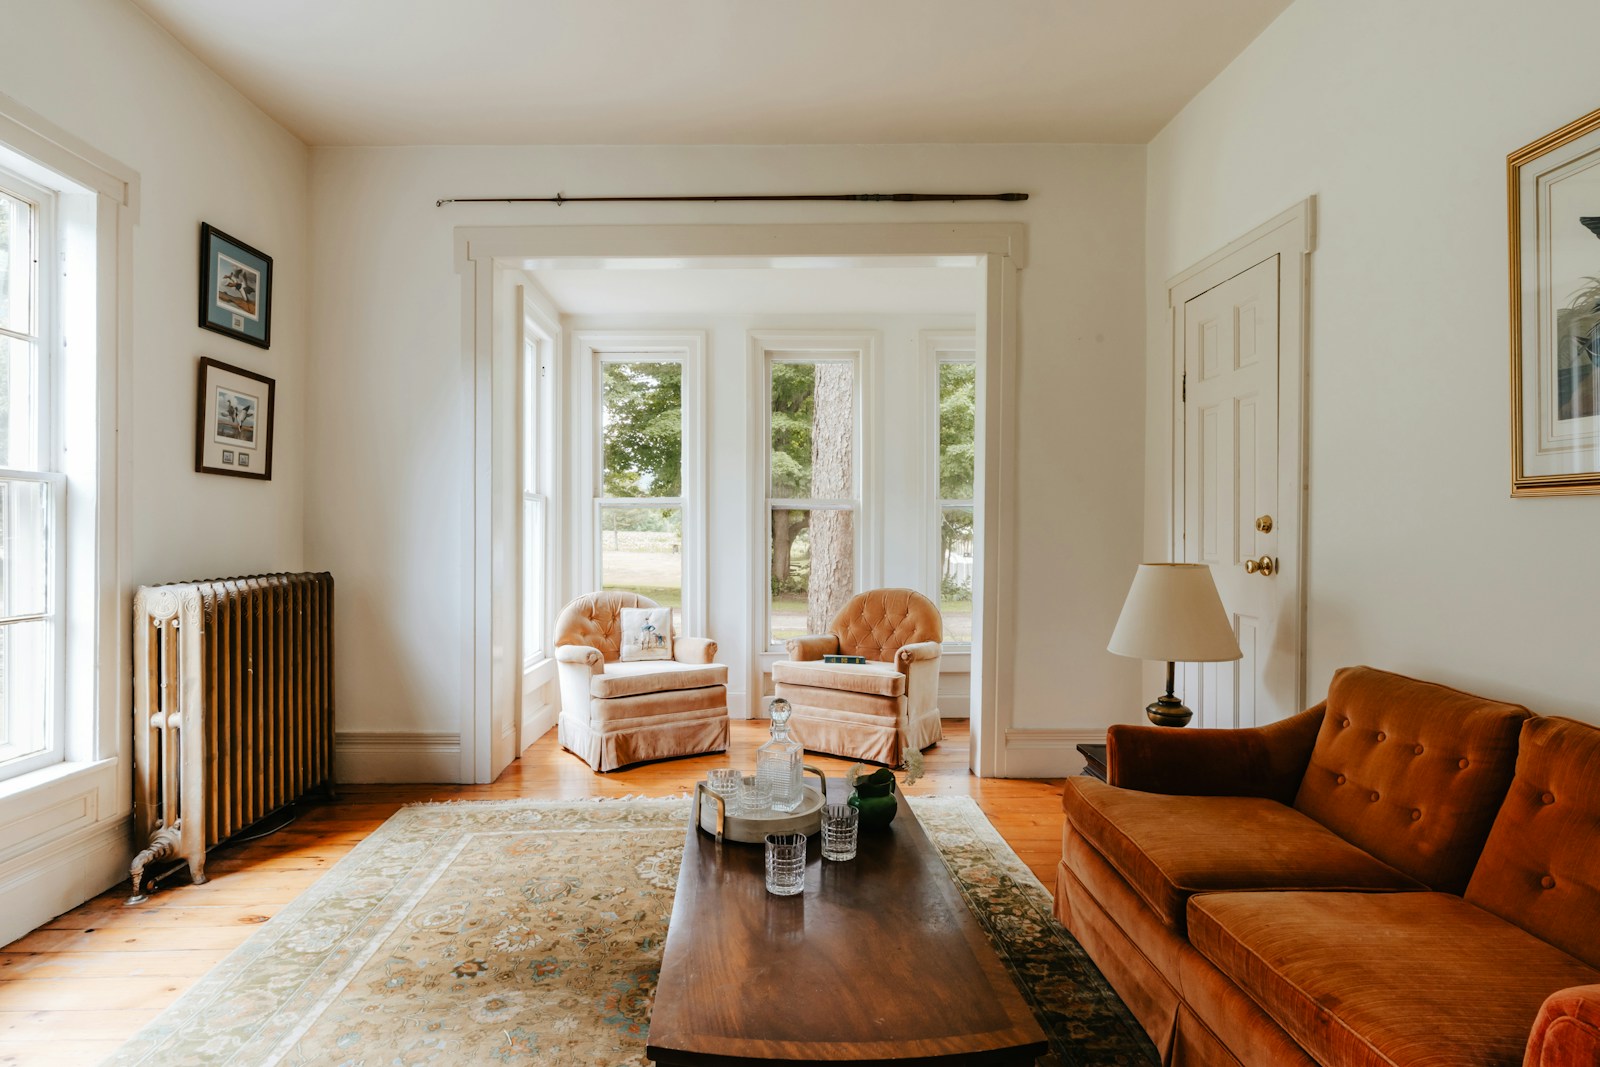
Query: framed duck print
[(235, 288), (233, 434)]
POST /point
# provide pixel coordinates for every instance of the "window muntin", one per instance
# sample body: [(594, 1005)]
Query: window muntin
[(812, 495), (32, 491), (958, 395), (641, 502)]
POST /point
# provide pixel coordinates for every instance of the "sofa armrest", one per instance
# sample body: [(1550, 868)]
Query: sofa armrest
[(584, 654), (812, 646), (1567, 1031), (694, 650), (1265, 761), (915, 652)]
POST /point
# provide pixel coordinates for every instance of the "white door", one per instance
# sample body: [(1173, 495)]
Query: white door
[(1231, 494)]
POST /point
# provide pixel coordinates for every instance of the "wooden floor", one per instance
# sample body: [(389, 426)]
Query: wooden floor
[(75, 989)]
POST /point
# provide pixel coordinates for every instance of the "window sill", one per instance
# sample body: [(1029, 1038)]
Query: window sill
[(536, 672), (45, 777)]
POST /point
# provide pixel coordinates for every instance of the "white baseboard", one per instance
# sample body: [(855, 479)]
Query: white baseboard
[(1047, 753), (389, 757), (55, 878), (537, 721)]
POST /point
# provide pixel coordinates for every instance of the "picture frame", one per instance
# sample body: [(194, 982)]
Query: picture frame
[(1553, 188), (235, 288), (233, 425)]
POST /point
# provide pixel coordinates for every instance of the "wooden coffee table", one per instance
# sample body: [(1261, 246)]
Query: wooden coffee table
[(879, 961)]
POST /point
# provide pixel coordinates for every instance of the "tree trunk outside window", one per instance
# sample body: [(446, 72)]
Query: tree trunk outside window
[(832, 532)]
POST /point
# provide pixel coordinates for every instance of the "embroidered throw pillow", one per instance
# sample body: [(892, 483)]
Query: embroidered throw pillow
[(646, 633)]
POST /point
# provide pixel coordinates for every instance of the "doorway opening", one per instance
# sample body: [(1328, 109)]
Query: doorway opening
[(744, 438)]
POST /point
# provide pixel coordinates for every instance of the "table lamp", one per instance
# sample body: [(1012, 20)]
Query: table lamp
[(1173, 613)]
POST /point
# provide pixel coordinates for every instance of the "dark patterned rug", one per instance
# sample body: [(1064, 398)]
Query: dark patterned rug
[(528, 932)]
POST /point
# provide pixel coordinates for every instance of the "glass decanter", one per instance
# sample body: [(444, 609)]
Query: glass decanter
[(778, 762)]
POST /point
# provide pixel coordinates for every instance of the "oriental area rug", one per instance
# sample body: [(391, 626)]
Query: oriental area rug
[(529, 932)]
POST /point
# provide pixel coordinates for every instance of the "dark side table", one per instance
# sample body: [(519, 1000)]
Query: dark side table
[(1094, 760)]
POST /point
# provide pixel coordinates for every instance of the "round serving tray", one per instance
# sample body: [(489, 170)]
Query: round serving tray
[(753, 829)]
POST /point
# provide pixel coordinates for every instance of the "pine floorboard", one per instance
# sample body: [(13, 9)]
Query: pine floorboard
[(72, 991)]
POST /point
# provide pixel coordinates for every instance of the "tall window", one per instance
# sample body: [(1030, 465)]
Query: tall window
[(640, 509), (32, 490), (812, 495), (535, 494), (958, 401)]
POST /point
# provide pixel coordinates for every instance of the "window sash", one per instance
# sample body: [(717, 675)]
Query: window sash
[(51, 726), (851, 503), (777, 505), (658, 503), (946, 357), (535, 576)]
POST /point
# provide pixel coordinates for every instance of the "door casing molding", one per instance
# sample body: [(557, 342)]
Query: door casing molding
[(489, 573), (1290, 235)]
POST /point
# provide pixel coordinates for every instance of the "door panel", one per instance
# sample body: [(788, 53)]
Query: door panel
[(1230, 479)]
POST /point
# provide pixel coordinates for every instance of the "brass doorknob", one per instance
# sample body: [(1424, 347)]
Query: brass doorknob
[(1264, 523), (1263, 566)]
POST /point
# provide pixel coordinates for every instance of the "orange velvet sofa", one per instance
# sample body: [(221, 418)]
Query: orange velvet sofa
[(1403, 876)]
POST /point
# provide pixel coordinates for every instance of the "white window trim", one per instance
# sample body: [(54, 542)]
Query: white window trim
[(67, 822), (590, 347), (49, 447), (537, 462), (862, 348), (936, 347)]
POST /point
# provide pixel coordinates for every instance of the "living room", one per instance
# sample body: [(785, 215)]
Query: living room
[(1146, 144)]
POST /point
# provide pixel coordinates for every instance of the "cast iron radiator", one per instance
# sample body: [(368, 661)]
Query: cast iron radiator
[(232, 708)]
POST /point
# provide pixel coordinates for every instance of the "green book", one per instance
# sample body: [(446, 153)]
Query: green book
[(830, 658)]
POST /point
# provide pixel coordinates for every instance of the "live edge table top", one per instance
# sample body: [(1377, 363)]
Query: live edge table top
[(879, 961)]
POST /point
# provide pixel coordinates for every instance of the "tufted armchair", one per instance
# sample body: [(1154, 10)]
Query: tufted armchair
[(879, 710), (614, 713)]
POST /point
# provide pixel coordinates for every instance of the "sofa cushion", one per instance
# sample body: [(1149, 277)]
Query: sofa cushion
[(874, 679), (1411, 772), (630, 679), (1385, 979), (1541, 866), (1168, 848), (623, 713)]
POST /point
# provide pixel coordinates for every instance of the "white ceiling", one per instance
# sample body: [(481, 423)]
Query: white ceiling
[(386, 72), (706, 289)]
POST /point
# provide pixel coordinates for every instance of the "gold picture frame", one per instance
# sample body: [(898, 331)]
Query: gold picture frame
[(1553, 189)]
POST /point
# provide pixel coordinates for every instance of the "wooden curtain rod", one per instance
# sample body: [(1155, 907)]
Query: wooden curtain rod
[(558, 199)]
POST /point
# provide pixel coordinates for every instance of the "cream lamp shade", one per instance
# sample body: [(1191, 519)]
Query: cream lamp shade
[(1173, 613)]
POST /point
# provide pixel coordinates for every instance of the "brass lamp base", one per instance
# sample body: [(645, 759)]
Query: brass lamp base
[(1168, 710)]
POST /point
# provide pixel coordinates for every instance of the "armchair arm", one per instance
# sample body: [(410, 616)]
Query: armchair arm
[(905, 655), (584, 654), (812, 646), (694, 650), (1567, 1031), (1266, 761)]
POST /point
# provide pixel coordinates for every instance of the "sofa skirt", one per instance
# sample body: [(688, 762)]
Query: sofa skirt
[(1178, 996), (857, 725), (607, 745)]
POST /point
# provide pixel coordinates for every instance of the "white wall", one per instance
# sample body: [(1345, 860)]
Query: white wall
[(391, 410), (103, 73), (1399, 118)]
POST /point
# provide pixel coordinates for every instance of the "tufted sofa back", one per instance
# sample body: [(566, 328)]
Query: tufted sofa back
[(877, 623), (595, 619), (1541, 866), (1411, 772)]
